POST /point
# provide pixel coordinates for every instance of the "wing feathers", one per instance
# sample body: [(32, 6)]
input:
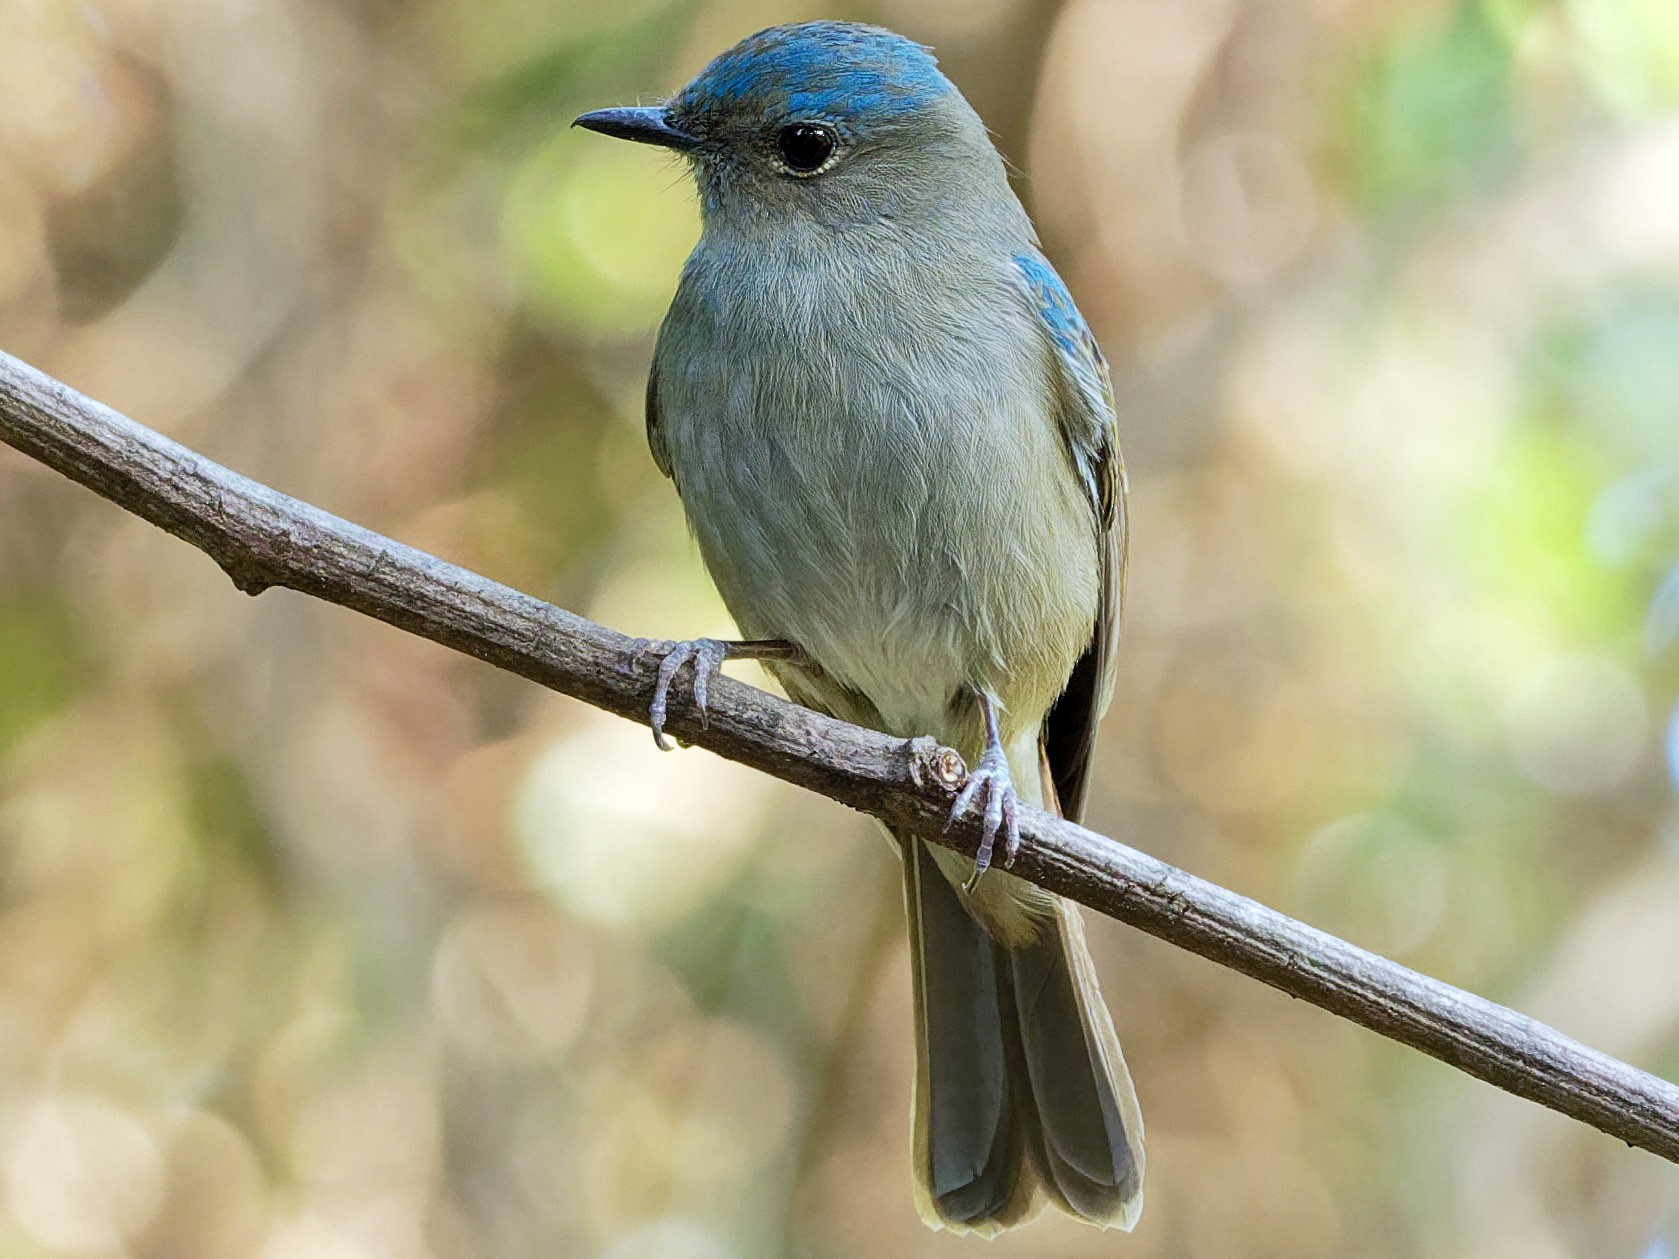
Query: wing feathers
[(1085, 413)]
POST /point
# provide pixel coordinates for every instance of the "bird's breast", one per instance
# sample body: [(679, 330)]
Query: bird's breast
[(873, 470)]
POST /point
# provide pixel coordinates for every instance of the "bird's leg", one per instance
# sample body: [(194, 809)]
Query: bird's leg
[(707, 656), (990, 777)]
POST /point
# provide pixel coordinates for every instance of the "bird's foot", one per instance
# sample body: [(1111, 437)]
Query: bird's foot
[(990, 779), (707, 656)]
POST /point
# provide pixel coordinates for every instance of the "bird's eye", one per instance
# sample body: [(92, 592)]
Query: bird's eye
[(805, 147)]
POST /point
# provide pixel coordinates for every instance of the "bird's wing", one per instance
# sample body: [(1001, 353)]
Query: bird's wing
[(655, 437), (1085, 413)]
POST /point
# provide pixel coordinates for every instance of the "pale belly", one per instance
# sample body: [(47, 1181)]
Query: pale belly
[(915, 552), (882, 482)]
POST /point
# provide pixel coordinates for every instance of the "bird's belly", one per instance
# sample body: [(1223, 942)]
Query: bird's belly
[(896, 628), (911, 556), (883, 482)]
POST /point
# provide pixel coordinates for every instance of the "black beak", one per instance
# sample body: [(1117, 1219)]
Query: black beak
[(644, 125)]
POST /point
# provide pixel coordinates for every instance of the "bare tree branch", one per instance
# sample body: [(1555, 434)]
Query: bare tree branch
[(262, 538)]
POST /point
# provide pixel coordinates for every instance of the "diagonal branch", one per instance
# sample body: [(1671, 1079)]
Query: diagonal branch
[(263, 538)]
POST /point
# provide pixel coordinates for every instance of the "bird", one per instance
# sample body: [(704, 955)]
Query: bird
[(894, 440)]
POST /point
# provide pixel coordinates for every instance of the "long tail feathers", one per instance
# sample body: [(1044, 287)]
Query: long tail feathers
[(968, 1146), (1089, 1130), (1021, 1092)]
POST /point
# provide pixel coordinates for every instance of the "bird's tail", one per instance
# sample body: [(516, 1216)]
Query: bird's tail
[(1021, 1092)]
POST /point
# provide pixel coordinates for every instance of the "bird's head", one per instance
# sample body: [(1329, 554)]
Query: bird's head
[(829, 121)]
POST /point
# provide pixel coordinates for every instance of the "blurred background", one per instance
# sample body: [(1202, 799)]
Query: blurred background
[(319, 942)]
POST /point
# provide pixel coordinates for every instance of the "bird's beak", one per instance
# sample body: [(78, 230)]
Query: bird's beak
[(644, 125)]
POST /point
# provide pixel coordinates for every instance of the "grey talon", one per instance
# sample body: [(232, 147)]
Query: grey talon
[(707, 656), (677, 655), (1002, 806)]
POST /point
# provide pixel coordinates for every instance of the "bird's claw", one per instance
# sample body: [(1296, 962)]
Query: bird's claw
[(990, 776), (706, 655)]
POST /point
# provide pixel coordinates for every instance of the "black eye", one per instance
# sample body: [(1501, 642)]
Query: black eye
[(805, 147)]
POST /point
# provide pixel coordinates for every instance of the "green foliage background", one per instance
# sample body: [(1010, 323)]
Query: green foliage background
[(318, 941)]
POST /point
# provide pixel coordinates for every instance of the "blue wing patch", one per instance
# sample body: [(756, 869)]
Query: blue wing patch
[(1088, 416)]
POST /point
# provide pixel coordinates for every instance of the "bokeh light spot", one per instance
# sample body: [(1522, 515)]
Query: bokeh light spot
[(670, 1238), (1376, 878), (79, 1174), (510, 981), (1629, 50), (1579, 724), (621, 833), (596, 239), (1247, 206)]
